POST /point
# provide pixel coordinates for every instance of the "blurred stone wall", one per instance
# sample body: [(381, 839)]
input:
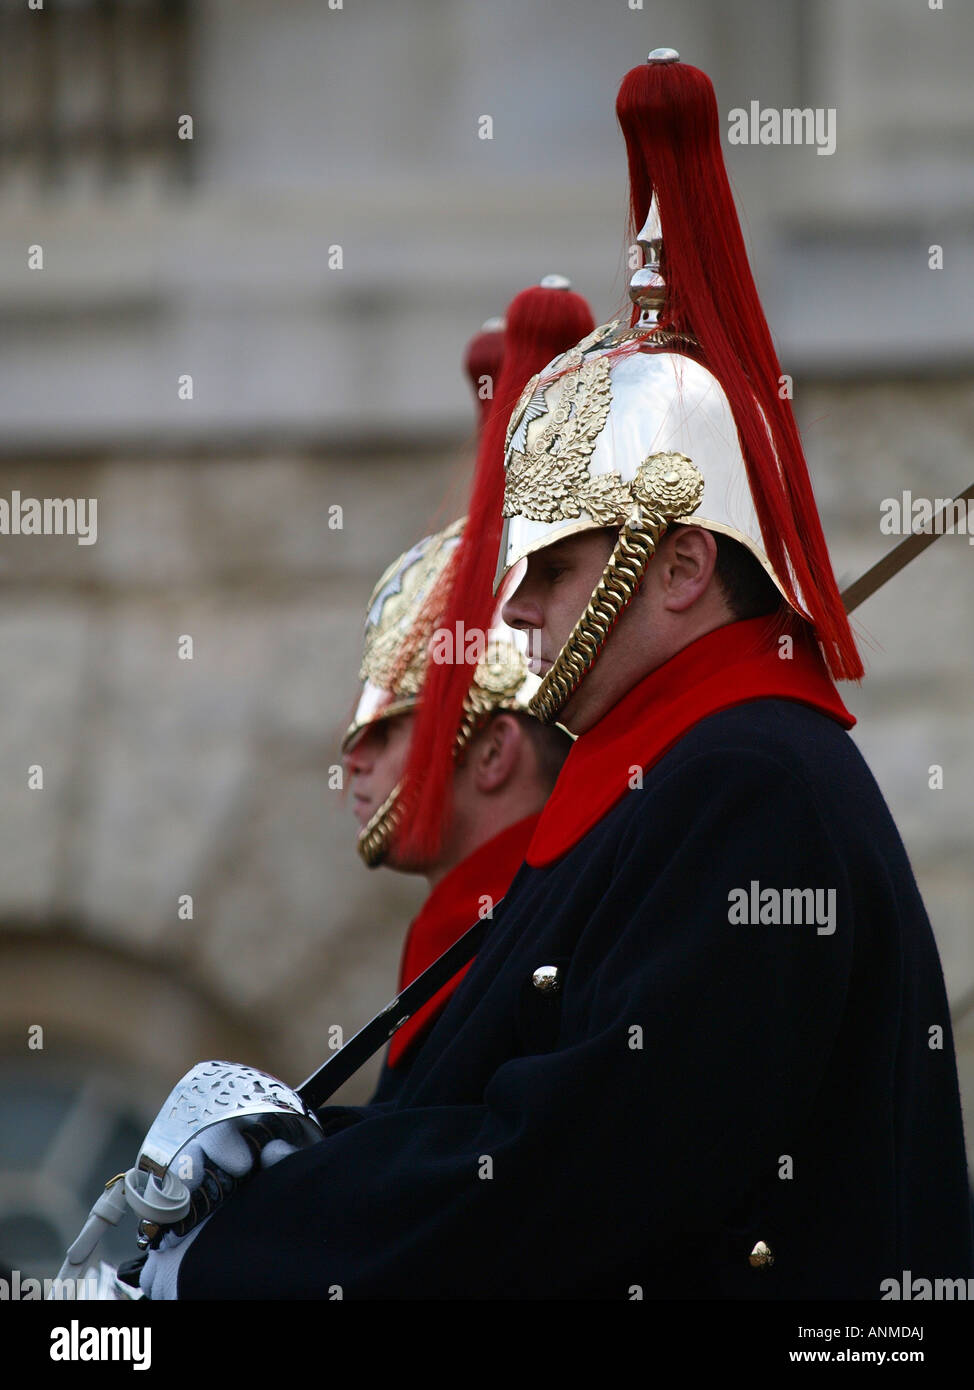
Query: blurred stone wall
[(866, 442), (213, 776)]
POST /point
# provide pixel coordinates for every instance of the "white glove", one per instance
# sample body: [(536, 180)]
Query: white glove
[(160, 1273), (220, 1145)]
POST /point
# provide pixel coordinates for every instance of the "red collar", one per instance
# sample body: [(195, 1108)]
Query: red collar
[(729, 666), (450, 909)]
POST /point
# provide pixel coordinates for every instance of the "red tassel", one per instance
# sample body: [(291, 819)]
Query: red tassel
[(541, 324), (668, 114), (482, 363)]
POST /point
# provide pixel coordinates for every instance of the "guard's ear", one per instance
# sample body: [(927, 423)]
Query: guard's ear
[(493, 756), (689, 557)]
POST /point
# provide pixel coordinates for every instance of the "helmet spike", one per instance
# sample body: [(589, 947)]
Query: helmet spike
[(647, 288)]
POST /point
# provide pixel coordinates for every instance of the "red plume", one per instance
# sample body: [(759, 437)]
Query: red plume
[(542, 323), (668, 114), (482, 363)]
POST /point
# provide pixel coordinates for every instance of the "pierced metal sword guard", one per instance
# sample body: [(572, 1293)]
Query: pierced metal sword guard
[(211, 1092)]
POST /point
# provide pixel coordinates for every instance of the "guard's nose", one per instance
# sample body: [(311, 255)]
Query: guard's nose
[(358, 759), (521, 611)]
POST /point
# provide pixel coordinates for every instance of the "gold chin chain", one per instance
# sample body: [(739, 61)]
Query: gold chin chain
[(621, 578), (374, 837)]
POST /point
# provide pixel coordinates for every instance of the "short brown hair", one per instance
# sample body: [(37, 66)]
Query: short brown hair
[(551, 747), (749, 590)]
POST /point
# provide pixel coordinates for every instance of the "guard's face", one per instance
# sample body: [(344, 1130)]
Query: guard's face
[(555, 590), (376, 762)]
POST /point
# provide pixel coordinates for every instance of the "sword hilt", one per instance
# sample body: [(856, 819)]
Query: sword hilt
[(217, 1184)]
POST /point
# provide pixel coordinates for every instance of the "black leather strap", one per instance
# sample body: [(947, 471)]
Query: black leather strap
[(322, 1084)]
